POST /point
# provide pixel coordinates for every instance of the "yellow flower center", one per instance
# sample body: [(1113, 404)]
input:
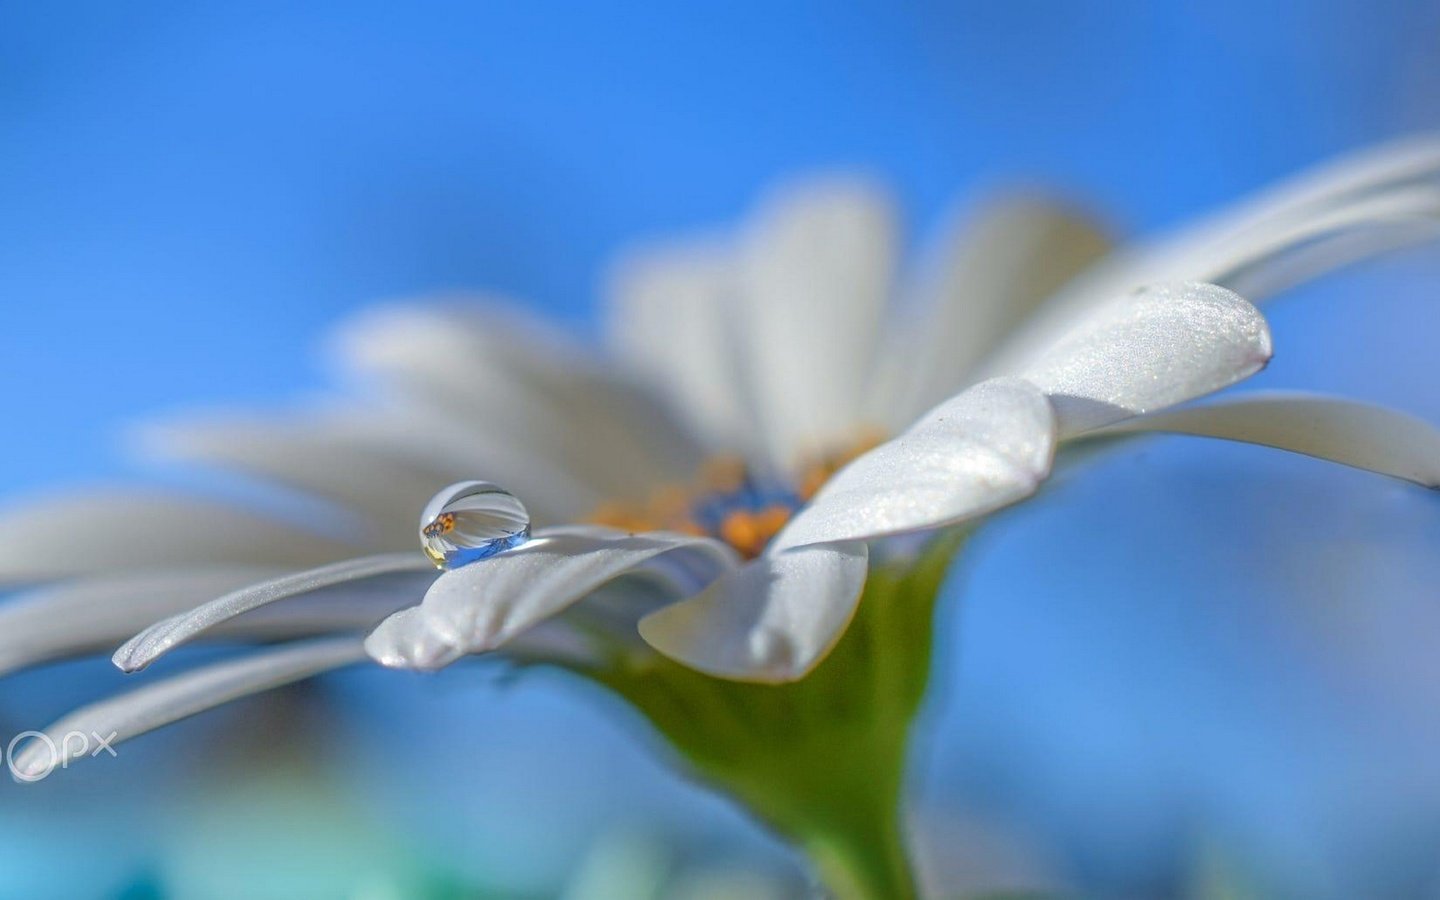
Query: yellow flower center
[(730, 501)]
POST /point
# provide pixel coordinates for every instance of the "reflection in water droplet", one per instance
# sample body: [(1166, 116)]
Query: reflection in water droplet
[(470, 521)]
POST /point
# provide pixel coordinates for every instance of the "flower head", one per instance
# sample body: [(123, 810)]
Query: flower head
[(773, 419)]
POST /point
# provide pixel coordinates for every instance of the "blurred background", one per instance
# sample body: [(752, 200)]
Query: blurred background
[(1199, 670)]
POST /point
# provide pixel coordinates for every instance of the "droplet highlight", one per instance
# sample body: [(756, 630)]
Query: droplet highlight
[(471, 521)]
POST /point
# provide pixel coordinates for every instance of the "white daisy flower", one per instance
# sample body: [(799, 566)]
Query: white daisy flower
[(778, 410), (777, 352), (772, 343)]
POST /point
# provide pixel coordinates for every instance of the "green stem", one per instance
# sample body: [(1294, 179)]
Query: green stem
[(868, 865), (822, 759), (863, 872), (837, 798)]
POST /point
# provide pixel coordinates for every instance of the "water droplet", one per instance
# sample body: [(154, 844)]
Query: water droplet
[(470, 521)]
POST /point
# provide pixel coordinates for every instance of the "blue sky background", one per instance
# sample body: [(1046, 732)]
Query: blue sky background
[(191, 194)]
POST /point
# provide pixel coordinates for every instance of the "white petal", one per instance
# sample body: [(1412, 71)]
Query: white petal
[(323, 458), (405, 640), (84, 616), (520, 381), (346, 606), (384, 464), (1355, 434), (984, 449), (553, 493), (988, 273), (1153, 348), (481, 606), (1381, 167), (83, 532), (1263, 265), (1335, 215), (815, 278), (81, 616), (673, 317), (136, 712), (409, 642), (771, 621), (145, 647)]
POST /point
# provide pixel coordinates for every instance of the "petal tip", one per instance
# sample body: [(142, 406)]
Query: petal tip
[(147, 646), (771, 622), (133, 655), (35, 761), (406, 641), (770, 657)]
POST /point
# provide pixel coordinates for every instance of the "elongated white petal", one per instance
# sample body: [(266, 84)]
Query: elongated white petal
[(384, 464), (145, 709), (78, 533), (1352, 181), (1355, 434), (406, 640), (1266, 264), (457, 444), (1381, 167), (519, 381), (322, 458), (672, 317), (989, 272), (1148, 350), (81, 616), (815, 276), (771, 621), (482, 606), (1332, 216), (984, 449), (348, 606), (145, 647)]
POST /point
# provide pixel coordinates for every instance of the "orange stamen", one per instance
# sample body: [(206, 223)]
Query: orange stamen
[(739, 531), (747, 529)]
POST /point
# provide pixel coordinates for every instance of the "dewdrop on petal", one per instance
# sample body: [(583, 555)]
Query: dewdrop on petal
[(470, 521)]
